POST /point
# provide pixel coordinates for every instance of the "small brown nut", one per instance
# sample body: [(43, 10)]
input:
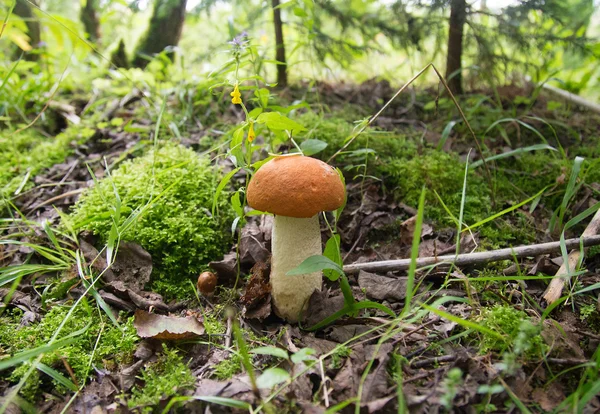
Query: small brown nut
[(207, 281)]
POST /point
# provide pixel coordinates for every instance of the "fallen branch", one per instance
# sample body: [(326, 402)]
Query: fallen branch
[(471, 259), (554, 290), (572, 98)]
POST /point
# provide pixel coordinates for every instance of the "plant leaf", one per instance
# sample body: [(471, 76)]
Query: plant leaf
[(274, 120), (272, 377), (305, 354), (270, 350), (315, 264), (312, 146)]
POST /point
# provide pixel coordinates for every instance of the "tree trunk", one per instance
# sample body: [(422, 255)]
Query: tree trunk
[(458, 15), (119, 56), (279, 45), (164, 30), (23, 10), (89, 18)]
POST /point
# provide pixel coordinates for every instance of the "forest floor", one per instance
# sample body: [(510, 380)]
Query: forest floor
[(106, 225)]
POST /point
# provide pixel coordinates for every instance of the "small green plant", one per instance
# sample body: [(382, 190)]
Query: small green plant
[(167, 376), (585, 311), (450, 385), (338, 357), (178, 230)]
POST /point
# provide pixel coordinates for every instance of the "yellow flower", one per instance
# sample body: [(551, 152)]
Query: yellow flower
[(251, 134), (236, 96)]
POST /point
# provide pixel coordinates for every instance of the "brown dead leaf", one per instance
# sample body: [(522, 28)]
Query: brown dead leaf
[(548, 399), (150, 325), (226, 269), (132, 266), (382, 288), (407, 229), (320, 306), (258, 286)]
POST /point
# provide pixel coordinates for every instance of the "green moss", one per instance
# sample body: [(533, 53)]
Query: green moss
[(335, 128), (520, 335), (29, 152), (438, 172), (102, 344), (227, 368), (178, 230), (213, 322), (163, 378)]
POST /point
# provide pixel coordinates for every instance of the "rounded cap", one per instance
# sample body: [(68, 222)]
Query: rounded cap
[(207, 282), (296, 186)]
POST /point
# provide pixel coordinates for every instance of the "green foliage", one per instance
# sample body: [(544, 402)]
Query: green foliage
[(163, 378), (179, 230), (30, 151), (521, 334), (114, 347)]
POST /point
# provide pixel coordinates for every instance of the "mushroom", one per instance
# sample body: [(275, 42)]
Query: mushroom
[(295, 189), (207, 282)]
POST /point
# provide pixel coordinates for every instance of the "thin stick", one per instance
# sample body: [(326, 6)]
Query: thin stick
[(474, 258), (555, 288)]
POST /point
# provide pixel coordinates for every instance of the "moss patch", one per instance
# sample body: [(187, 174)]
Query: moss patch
[(162, 379), (178, 230), (29, 152), (521, 335), (102, 344)]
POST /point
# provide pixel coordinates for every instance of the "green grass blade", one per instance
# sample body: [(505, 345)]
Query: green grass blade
[(463, 322), (57, 376), (414, 254), (512, 153), (224, 181), (505, 211)]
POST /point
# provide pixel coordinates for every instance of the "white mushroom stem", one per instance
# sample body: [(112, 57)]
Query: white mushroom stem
[(294, 240)]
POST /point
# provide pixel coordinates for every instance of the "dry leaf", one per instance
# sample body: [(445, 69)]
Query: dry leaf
[(150, 325)]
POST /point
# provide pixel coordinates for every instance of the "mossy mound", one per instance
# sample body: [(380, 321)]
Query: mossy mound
[(101, 344), (440, 173), (178, 229)]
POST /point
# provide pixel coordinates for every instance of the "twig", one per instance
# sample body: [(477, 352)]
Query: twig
[(567, 361), (324, 381), (555, 288), (432, 361), (471, 259), (228, 332)]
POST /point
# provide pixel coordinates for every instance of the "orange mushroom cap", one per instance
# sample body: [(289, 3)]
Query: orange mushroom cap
[(296, 186)]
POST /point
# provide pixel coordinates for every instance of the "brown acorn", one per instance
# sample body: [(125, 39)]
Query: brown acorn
[(207, 281)]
